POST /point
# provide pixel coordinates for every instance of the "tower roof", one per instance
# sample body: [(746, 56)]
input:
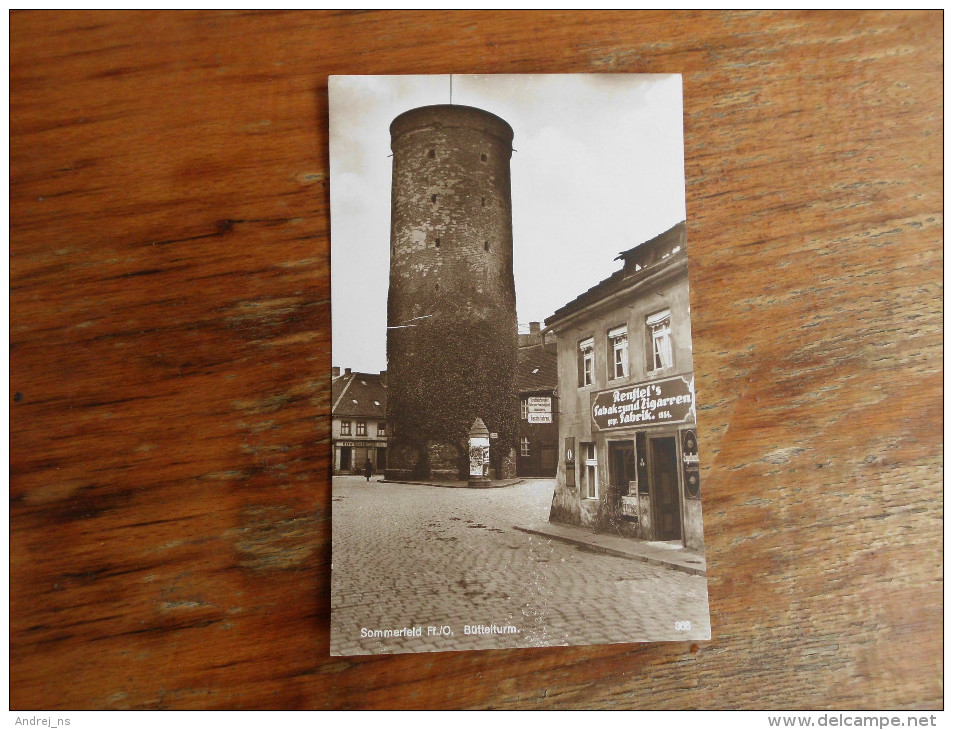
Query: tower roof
[(451, 115)]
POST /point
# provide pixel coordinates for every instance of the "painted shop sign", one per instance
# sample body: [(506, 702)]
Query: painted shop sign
[(663, 401), (539, 409), (539, 404)]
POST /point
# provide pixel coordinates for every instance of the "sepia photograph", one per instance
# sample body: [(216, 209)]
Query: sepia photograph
[(514, 423)]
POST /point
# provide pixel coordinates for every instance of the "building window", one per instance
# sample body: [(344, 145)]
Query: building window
[(362, 428), (524, 408), (588, 480), (659, 326), (345, 428), (619, 347), (524, 446), (432, 153), (381, 428), (585, 362)]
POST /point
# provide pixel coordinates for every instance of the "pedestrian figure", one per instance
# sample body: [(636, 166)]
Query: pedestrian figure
[(368, 469)]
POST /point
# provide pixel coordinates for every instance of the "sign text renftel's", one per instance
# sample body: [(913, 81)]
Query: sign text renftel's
[(644, 404)]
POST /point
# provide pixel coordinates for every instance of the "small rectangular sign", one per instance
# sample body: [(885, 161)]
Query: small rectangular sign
[(539, 404), (539, 417)]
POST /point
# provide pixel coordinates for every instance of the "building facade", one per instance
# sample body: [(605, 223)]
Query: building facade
[(539, 412), (358, 421), (451, 306), (629, 459)]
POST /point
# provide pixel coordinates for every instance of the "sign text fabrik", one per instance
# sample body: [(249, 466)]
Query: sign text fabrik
[(664, 401)]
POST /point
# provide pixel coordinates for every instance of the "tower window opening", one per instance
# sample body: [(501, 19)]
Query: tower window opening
[(486, 245), (437, 243), (432, 153), (433, 198), (483, 157), (482, 202)]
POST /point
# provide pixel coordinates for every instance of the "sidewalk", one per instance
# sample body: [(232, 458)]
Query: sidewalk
[(454, 484), (666, 554)]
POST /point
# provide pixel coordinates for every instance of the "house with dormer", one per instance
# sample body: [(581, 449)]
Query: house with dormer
[(358, 421)]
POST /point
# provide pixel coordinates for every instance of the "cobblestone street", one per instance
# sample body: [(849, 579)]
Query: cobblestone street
[(437, 560)]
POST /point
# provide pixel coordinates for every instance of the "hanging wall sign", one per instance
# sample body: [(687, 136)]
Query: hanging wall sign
[(570, 454), (645, 404), (690, 476)]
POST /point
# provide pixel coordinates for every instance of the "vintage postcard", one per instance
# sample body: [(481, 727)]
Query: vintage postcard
[(514, 450)]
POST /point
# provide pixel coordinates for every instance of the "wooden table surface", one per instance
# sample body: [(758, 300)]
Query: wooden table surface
[(170, 357)]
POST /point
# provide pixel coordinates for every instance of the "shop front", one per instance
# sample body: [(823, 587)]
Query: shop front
[(627, 401), (350, 456), (645, 434)]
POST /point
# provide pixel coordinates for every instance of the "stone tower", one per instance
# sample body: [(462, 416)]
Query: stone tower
[(451, 307)]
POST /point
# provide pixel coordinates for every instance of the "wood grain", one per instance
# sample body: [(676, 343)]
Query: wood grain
[(169, 335)]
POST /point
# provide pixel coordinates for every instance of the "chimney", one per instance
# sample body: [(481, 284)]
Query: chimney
[(347, 371), (534, 328), (335, 372)]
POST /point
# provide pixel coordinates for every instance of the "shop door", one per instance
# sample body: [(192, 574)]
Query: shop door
[(668, 519), (381, 458), (622, 465), (345, 458)]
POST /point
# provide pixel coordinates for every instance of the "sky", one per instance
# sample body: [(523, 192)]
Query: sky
[(598, 168)]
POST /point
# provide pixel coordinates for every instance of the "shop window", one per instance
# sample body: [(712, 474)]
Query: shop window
[(585, 362), (524, 408), (345, 428), (659, 327), (362, 428), (618, 340), (381, 428), (524, 446), (588, 478)]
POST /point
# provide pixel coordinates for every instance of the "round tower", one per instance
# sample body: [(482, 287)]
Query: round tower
[(451, 306)]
